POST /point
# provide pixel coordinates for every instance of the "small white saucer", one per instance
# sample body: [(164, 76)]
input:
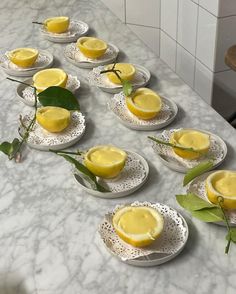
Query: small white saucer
[(43, 140), (198, 187), (73, 55), (167, 114), (44, 60), (26, 94), (218, 151), (132, 177), (166, 247), (76, 29), (141, 79)]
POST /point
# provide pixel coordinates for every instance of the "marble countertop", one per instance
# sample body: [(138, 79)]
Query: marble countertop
[(48, 225)]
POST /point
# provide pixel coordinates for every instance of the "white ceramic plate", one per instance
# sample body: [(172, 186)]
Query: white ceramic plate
[(44, 60), (141, 79), (167, 114), (166, 247), (43, 140), (198, 187), (73, 55), (26, 94), (132, 177), (76, 29), (218, 150)]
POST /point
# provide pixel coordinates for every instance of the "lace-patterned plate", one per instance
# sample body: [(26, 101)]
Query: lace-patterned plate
[(218, 151), (198, 187), (166, 247), (43, 140), (132, 177), (44, 60), (26, 94), (76, 29), (167, 114), (73, 55), (141, 79)]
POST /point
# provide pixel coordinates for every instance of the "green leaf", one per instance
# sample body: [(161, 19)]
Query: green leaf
[(127, 87), (197, 171), (209, 214), (60, 97), (10, 149), (232, 235), (192, 202)]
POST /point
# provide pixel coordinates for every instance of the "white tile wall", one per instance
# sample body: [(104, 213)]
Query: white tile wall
[(227, 7), (168, 50), (117, 7), (210, 5), (169, 13)]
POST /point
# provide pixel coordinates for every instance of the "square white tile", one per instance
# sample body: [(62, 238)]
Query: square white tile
[(187, 25), (168, 50), (117, 7), (169, 11), (150, 36), (211, 5), (143, 12)]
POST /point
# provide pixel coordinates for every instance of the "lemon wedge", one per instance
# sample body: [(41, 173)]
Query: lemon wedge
[(127, 72), (189, 138), (49, 77), (138, 225), (105, 161), (23, 57), (91, 47), (58, 24), (144, 103), (53, 119), (222, 183)]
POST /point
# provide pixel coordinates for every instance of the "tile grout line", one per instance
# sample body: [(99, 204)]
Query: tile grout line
[(195, 53), (177, 31)]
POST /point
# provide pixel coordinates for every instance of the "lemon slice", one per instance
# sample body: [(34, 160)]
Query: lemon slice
[(23, 57), (127, 72), (144, 103), (138, 225), (53, 119), (189, 138), (105, 161), (49, 77), (91, 47), (58, 24), (222, 183)]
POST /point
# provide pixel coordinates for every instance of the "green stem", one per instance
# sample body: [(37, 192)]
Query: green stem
[(36, 22), (66, 152), (20, 82)]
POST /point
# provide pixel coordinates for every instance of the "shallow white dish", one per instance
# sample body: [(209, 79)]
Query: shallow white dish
[(218, 150), (43, 140), (132, 177), (166, 247), (198, 187), (167, 114), (26, 93), (44, 60), (73, 55), (76, 29), (141, 79)]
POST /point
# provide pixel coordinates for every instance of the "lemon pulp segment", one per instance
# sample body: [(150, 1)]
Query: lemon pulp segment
[(23, 57), (146, 102), (226, 185), (126, 72), (93, 43), (106, 157), (92, 47), (58, 24)]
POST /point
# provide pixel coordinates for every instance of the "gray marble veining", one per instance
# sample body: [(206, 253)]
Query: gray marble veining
[(48, 225)]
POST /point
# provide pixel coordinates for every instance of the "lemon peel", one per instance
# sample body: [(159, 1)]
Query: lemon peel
[(23, 57), (57, 25), (126, 72), (91, 47)]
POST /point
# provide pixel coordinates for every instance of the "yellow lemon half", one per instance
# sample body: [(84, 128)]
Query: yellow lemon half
[(189, 138), (144, 103), (49, 77), (58, 24), (222, 183), (127, 72), (105, 161), (91, 47), (23, 57), (53, 119), (138, 225)]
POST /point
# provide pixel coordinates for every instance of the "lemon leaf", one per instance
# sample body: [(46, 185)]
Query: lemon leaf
[(10, 149), (60, 97), (192, 202), (209, 214), (127, 87), (197, 171), (231, 235)]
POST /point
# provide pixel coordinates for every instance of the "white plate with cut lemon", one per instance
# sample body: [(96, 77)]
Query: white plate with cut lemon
[(55, 128), (25, 62), (120, 171), (144, 233), (44, 79), (205, 145), (221, 183), (89, 52), (143, 110), (63, 30), (138, 76)]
